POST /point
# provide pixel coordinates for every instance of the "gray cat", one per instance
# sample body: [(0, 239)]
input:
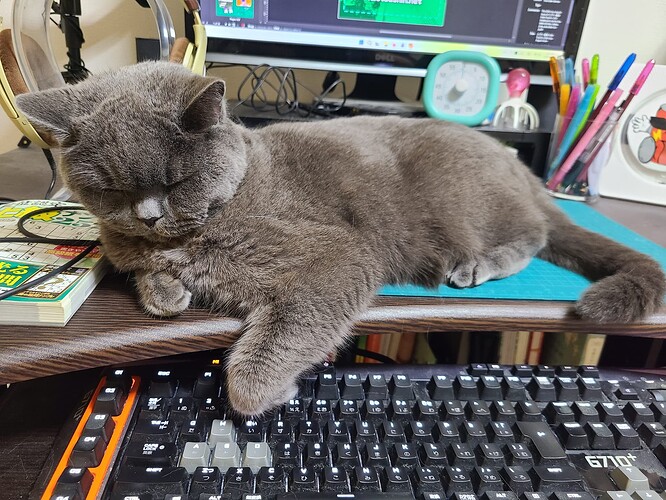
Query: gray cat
[(295, 226)]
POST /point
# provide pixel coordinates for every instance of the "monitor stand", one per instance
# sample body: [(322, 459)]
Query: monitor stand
[(376, 94)]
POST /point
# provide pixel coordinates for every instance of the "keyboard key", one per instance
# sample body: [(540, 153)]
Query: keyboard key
[(573, 436), (222, 431), (489, 455), (335, 479), (433, 455), (653, 433), (205, 480), (519, 454), (601, 437), (250, 431), (352, 386), (303, 479), (590, 389), (376, 387), (585, 412), (646, 495), (446, 433), (160, 431), (550, 479), (347, 410), (151, 454), (316, 455), (327, 386), (426, 479), (503, 411), (226, 456), (566, 388), (256, 456), (456, 480), (542, 441), (337, 431), (395, 479), (465, 388), (630, 479), (99, 424), (363, 431), (286, 455), (87, 452), (440, 388), (271, 481), (626, 438), (346, 455), (159, 481), (375, 455), (404, 455), (238, 481), (182, 409), (163, 384), (74, 482), (516, 478), (110, 400), (194, 455), (528, 411), (514, 388), (558, 412), (489, 388), (609, 413), (400, 387), (365, 479), (541, 389), (637, 413), (207, 385), (486, 479)]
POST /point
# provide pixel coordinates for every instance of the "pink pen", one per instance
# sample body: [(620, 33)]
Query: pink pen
[(584, 141), (586, 72), (635, 89)]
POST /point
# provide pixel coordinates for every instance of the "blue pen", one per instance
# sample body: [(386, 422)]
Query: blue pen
[(612, 86), (569, 70), (578, 119)]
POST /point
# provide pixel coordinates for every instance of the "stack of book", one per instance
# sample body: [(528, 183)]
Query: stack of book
[(54, 301)]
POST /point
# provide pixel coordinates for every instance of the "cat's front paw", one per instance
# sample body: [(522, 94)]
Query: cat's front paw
[(161, 294), (253, 392)]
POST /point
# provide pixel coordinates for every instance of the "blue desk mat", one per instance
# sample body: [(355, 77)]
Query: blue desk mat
[(541, 280)]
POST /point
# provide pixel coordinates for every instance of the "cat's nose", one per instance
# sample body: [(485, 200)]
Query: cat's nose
[(150, 221)]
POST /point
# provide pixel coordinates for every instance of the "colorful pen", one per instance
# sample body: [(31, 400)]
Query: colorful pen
[(594, 70), (584, 141), (569, 71), (554, 75), (574, 99), (579, 117), (586, 72), (612, 86), (614, 118)]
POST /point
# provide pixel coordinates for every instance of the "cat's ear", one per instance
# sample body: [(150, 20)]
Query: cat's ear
[(50, 110), (206, 109)]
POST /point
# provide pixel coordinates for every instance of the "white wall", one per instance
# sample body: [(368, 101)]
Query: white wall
[(614, 28)]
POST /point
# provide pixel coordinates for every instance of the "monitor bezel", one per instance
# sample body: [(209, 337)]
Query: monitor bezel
[(386, 62)]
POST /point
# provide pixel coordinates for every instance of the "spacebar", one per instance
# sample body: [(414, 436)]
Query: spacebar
[(363, 495)]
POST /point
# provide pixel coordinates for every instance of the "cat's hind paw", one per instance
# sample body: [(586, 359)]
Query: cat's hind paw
[(162, 295)]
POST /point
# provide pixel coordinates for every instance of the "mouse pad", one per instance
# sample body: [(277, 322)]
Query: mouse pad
[(541, 280)]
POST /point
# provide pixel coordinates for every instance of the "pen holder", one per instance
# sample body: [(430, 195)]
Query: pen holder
[(573, 174)]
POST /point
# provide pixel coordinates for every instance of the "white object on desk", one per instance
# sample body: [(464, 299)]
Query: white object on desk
[(636, 169)]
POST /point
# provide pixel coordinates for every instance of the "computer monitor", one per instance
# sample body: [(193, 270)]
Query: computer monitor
[(390, 37)]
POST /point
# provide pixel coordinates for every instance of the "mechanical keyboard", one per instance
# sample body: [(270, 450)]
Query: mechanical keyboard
[(432, 432)]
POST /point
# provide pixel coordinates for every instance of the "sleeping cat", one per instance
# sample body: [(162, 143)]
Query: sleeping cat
[(295, 226)]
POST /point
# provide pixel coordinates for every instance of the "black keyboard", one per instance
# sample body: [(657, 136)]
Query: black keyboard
[(481, 432)]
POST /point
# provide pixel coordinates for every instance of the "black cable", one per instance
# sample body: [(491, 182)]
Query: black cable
[(31, 237), (374, 355), (54, 172)]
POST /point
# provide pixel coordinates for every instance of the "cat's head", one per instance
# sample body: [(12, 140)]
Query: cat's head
[(146, 148)]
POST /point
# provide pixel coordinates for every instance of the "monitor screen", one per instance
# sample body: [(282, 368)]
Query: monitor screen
[(393, 33)]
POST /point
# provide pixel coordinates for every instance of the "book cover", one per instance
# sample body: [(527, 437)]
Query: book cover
[(522, 348), (507, 348), (55, 301), (423, 354), (572, 348), (373, 344), (394, 345), (406, 347), (535, 348)]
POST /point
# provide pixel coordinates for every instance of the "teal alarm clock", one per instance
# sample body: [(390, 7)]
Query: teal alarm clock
[(461, 86)]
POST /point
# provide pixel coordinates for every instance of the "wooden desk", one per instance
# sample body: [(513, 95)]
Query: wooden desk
[(111, 328)]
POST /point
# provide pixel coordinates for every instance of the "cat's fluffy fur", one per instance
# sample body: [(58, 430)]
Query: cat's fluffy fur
[(295, 226)]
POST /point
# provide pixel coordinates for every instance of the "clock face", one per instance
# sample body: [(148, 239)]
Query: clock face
[(461, 86)]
